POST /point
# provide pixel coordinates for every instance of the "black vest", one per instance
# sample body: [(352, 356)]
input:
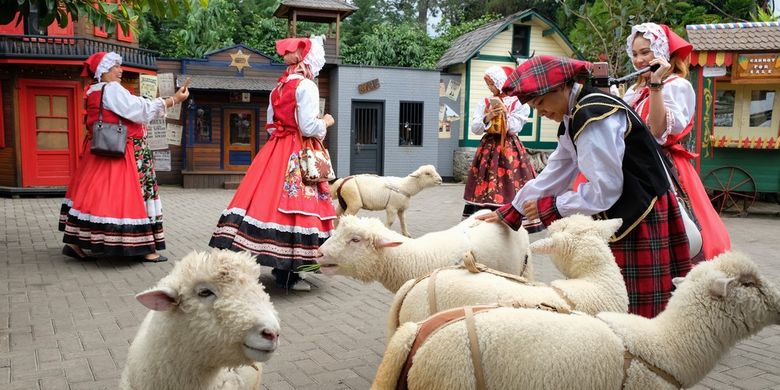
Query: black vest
[(644, 177)]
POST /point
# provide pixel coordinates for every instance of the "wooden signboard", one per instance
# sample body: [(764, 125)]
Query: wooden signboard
[(756, 68), (368, 86)]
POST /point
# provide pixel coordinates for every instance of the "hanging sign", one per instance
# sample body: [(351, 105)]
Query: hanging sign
[(368, 86), (757, 66)]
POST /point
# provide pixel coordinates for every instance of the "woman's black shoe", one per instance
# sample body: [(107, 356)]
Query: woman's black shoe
[(67, 250)]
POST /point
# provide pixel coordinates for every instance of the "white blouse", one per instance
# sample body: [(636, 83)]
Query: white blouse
[(133, 108), (307, 115), (680, 102), (599, 156), (515, 118)]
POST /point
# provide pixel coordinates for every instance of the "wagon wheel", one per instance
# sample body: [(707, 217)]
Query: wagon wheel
[(730, 187)]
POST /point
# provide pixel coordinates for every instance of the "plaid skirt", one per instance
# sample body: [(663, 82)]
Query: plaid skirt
[(651, 254)]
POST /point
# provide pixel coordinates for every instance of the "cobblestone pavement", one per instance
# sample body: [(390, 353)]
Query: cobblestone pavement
[(66, 324)]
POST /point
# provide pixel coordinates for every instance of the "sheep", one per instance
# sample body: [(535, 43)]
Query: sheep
[(579, 249), (719, 303), (364, 249), (210, 321), (392, 194)]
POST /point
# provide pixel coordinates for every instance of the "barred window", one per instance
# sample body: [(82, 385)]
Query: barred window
[(411, 124)]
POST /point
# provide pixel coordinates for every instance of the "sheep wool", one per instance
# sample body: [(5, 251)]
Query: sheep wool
[(392, 194), (579, 249), (716, 305), (210, 321), (364, 249)]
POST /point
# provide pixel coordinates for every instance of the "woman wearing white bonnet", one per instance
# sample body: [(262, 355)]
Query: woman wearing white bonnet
[(665, 100), (501, 165), (274, 214)]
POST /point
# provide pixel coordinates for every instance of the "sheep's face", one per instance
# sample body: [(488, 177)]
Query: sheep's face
[(730, 286), (579, 244), (427, 176), (216, 299), (355, 248)]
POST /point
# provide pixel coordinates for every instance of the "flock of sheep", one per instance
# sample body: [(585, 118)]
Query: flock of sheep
[(455, 324)]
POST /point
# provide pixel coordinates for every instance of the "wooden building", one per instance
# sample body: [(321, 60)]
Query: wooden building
[(41, 95), (504, 42), (735, 71)]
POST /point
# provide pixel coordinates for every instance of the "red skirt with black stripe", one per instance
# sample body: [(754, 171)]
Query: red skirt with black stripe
[(106, 209)]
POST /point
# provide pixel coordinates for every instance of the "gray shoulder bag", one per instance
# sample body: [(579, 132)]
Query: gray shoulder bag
[(108, 139)]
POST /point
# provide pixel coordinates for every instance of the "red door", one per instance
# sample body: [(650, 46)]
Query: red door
[(49, 132)]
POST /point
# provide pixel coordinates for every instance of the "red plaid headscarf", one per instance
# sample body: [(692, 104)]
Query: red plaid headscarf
[(541, 74)]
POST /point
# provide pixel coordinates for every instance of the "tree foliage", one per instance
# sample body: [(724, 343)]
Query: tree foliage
[(100, 13)]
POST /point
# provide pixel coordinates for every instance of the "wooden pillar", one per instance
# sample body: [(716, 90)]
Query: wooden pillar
[(295, 24), (338, 34)]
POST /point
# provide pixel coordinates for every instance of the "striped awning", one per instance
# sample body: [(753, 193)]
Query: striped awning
[(711, 58)]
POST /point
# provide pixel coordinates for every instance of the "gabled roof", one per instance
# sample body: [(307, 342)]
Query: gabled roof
[(230, 83), (341, 7), (752, 36), (468, 45), (242, 47)]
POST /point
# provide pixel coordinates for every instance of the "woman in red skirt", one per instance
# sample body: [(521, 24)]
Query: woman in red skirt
[(501, 165), (601, 137), (274, 214), (111, 205)]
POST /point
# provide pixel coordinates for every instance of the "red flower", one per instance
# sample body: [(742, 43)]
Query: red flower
[(499, 198), (501, 171)]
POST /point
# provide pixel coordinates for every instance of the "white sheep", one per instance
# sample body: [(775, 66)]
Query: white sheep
[(364, 249), (210, 321), (389, 193), (719, 303), (579, 249)]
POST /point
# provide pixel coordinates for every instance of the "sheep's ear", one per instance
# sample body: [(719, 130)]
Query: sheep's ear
[(544, 245), (609, 227), (160, 299), (677, 281), (381, 242), (720, 286)]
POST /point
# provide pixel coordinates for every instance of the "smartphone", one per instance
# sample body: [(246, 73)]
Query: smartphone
[(186, 83)]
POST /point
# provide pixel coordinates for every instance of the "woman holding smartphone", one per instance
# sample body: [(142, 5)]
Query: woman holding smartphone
[(501, 165)]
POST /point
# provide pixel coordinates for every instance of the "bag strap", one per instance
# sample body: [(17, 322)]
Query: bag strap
[(100, 111)]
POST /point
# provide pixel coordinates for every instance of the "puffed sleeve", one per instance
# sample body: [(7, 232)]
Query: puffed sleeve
[(680, 102), (477, 125), (518, 117), (308, 97), (133, 108)]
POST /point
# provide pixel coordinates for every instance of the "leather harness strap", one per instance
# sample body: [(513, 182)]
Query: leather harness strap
[(432, 307), (628, 357), (476, 354), (426, 329), (341, 200)]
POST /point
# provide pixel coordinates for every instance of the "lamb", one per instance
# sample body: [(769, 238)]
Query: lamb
[(579, 249), (719, 303), (210, 321), (392, 194), (364, 249)]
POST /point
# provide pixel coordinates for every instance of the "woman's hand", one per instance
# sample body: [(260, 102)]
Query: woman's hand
[(658, 75), (493, 113), (181, 95), (328, 119), (489, 217)]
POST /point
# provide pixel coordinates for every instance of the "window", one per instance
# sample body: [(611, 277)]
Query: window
[(202, 124), (120, 34), (411, 124), (521, 40), (2, 121), (100, 31), (724, 108), (761, 105), (745, 111), (31, 24)]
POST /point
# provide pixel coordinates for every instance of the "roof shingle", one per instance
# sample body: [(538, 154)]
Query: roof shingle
[(754, 36), (228, 83)]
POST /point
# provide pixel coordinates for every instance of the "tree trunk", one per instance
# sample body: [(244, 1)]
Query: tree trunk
[(422, 14)]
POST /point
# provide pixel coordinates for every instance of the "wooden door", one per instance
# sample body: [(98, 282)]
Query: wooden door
[(367, 138), (50, 135), (238, 138)]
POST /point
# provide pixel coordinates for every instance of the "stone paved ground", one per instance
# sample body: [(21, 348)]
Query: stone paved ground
[(66, 324)]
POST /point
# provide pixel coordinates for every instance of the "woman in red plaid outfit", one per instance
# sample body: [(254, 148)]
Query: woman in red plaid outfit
[(603, 139)]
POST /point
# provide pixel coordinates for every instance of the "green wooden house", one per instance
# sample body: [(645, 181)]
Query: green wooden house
[(504, 42)]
